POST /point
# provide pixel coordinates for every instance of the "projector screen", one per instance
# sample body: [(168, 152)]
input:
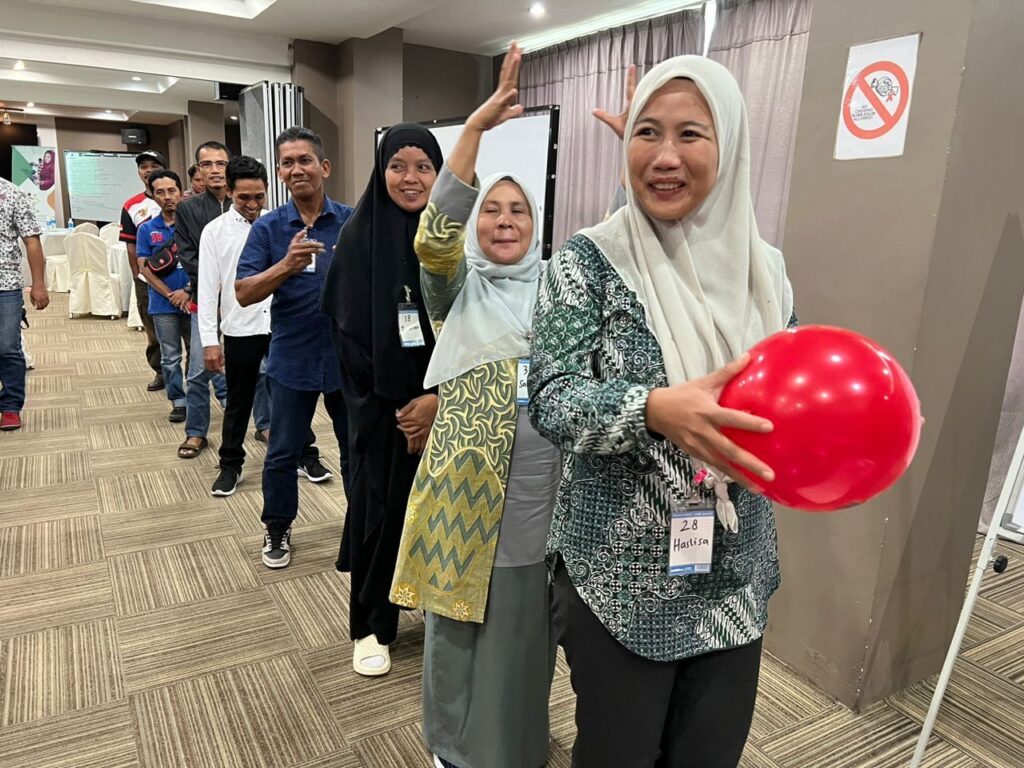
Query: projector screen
[(526, 146), (99, 183)]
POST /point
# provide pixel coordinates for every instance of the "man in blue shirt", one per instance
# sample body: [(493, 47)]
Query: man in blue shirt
[(168, 299), (286, 256)]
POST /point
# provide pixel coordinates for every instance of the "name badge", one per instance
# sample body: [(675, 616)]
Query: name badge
[(522, 374), (311, 267), (409, 330), (690, 540)]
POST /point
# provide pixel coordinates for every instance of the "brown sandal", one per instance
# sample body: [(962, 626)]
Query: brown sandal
[(189, 451)]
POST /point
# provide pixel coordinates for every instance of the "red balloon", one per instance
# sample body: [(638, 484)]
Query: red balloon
[(847, 419)]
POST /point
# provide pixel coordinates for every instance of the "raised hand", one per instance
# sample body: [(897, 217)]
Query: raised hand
[(618, 122), (504, 102)]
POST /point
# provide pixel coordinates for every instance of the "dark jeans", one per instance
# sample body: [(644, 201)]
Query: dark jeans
[(632, 712), (242, 358), (152, 343), (12, 357), (291, 414)]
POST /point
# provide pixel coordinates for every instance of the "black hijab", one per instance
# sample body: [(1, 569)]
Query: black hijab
[(373, 264)]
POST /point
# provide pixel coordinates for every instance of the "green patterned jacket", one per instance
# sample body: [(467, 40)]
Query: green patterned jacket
[(594, 361)]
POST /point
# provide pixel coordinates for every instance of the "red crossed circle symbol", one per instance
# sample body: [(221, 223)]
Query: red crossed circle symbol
[(889, 119)]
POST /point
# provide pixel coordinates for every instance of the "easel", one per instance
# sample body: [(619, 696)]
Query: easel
[(1001, 518)]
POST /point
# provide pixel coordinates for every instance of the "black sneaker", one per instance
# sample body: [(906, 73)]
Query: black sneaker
[(314, 470), (277, 546), (156, 384), (261, 436), (177, 414), (226, 481)]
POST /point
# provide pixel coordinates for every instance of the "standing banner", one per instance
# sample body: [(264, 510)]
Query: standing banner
[(34, 170), (875, 109)]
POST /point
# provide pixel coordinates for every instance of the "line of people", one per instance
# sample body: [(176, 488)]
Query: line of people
[(515, 441)]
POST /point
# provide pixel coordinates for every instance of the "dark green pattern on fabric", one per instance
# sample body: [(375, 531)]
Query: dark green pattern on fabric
[(594, 361)]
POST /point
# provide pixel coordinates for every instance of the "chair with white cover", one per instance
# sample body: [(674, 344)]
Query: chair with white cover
[(94, 289), (87, 226), (57, 273), (110, 233)]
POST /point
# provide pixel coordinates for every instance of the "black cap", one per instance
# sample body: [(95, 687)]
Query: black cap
[(152, 155)]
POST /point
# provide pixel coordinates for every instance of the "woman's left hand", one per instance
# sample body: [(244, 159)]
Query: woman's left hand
[(415, 421)]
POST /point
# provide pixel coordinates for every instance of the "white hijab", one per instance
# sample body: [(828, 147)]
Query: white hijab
[(710, 286), (492, 316)]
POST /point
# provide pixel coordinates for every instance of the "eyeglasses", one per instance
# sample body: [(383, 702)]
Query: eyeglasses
[(220, 165)]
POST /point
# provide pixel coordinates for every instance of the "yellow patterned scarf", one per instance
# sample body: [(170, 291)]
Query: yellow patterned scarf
[(451, 526)]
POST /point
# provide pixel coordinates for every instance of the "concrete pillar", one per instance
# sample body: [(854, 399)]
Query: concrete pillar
[(205, 123), (924, 253)]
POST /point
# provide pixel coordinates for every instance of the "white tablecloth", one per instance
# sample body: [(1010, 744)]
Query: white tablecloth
[(117, 257)]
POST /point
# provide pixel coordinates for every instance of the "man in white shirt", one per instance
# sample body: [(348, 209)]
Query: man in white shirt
[(246, 329)]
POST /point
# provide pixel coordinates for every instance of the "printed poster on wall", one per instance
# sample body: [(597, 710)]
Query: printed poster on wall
[(875, 107), (34, 170)]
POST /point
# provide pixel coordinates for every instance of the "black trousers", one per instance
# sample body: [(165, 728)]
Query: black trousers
[(242, 358), (152, 345), (632, 712)]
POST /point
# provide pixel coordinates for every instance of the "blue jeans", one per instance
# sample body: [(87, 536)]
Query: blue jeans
[(12, 357), (291, 415), (172, 331), (197, 423)]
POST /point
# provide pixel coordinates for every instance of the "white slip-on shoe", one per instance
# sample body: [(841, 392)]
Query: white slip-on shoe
[(370, 658)]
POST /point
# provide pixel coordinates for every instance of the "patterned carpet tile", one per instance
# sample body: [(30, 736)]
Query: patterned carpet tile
[(784, 698), (99, 737), (40, 601), (40, 504), (1002, 655), (318, 504), (989, 619), (49, 545), (755, 758), (41, 470), (395, 748), (314, 550), (174, 644), (50, 419), (46, 360), (315, 607), (139, 491), (1006, 589), (48, 385), (361, 704), (58, 670), (264, 715), (164, 526), (982, 714), (133, 434), (122, 397), (19, 444), (160, 578), (112, 367), (345, 758), (156, 458), (883, 738)]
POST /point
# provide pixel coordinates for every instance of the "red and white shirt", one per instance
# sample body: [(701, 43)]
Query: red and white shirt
[(135, 212)]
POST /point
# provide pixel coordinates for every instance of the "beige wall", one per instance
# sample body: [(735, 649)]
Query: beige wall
[(919, 253), (84, 135), (360, 85), (438, 83)]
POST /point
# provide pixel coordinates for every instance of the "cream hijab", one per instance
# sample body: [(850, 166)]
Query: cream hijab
[(710, 286), (492, 316)]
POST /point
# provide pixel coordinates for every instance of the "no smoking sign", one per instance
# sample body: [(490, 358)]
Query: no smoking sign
[(876, 99)]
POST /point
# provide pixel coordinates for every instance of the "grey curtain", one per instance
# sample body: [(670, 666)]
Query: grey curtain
[(764, 45), (590, 72)]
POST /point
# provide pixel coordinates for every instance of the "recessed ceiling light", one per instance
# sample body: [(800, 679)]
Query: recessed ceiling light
[(136, 78), (30, 105), (234, 117), (19, 64), (108, 111), (537, 10)]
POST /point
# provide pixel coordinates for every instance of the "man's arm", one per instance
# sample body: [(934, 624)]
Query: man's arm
[(39, 296), (257, 278), (186, 234)]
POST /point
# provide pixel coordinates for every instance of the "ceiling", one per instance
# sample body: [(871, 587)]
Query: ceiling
[(80, 54)]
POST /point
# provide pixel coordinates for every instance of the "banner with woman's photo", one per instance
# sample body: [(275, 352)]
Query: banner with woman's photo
[(34, 170)]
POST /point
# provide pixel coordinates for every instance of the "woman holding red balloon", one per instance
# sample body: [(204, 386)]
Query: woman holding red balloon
[(662, 566)]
